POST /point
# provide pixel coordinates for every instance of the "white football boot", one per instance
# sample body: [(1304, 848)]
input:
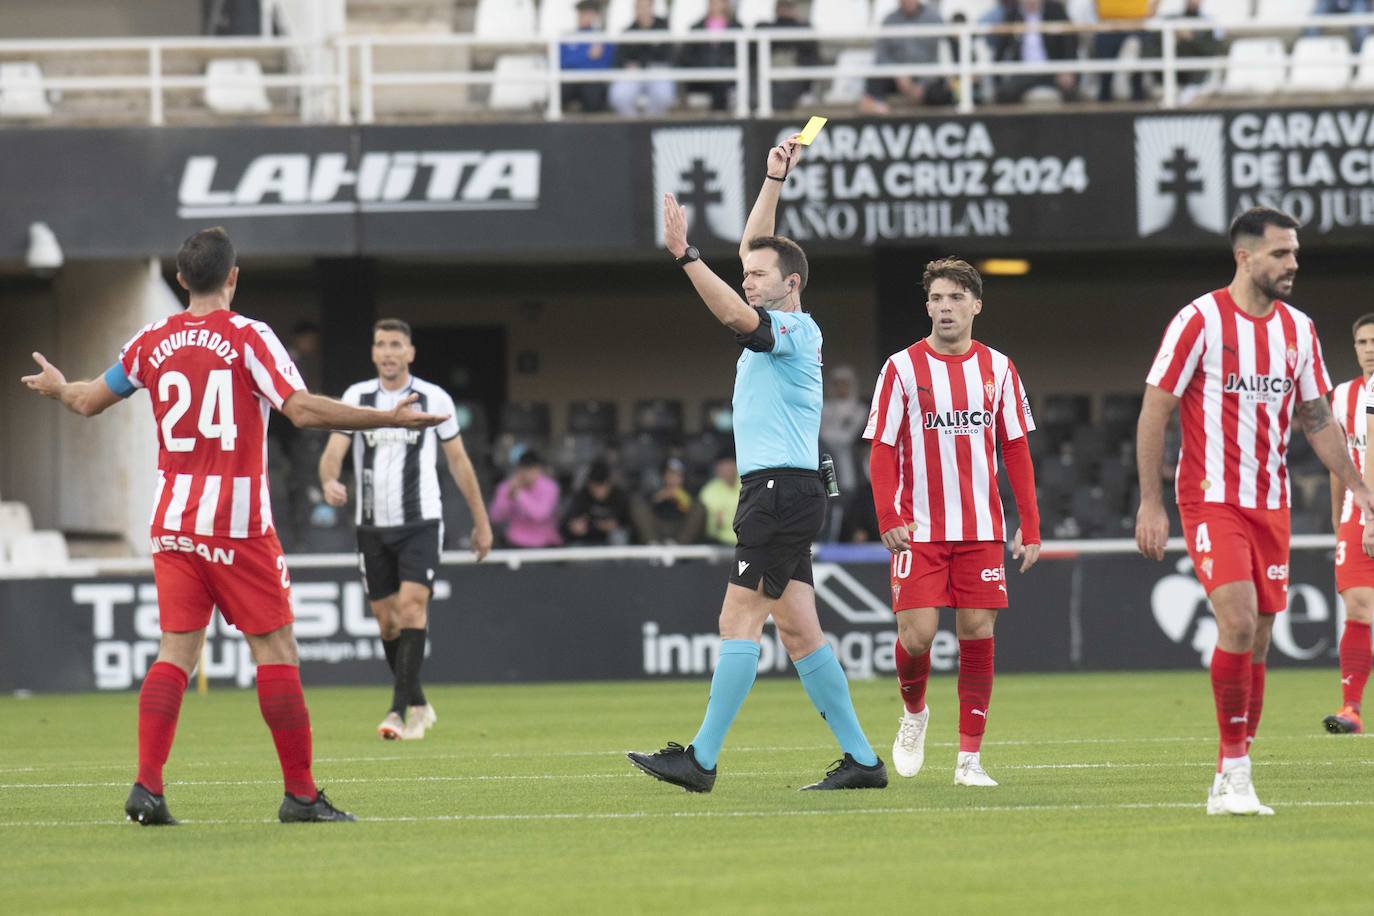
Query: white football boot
[(968, 771), (909, 749)]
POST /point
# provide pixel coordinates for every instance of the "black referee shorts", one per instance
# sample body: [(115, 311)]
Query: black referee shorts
[(781, 511), (405, 553)]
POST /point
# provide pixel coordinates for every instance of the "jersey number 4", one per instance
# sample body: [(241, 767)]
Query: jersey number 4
[(216, 419)]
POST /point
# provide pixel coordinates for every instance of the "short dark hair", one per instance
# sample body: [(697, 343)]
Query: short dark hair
[(791, 258), (1253, 222), (529, 458), (205, 260), (1366, 318), (955, 270), (392, 324), (599, 472)]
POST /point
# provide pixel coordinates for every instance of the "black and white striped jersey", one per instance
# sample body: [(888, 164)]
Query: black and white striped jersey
[(395, 468)]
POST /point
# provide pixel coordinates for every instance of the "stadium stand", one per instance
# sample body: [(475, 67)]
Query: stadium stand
[(21, 91), (1255, 66), (234, 86), (1321, 63)]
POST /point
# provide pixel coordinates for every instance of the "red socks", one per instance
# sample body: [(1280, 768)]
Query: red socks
[(1257, 671), (283, 709), (1354, 663), (1231, 677), (913, 673), (975, 690), (159, 705)]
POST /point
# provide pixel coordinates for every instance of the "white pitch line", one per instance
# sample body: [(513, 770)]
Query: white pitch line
[(734, 774), (669, 815), (500, 755)]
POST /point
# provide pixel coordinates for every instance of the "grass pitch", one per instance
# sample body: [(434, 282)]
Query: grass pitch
[(521, 800)]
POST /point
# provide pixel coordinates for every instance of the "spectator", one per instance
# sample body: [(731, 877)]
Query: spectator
[(860, 524), (1204, 41), (1000, 13), (526, 505), (931, 90), (720, 17), (582, 56), (719, 499), (657, 95), (1035, 47), (306, 352), (843, 417), (790, 54), (1107, 45), (669, 515), (1344, 8), (599, 513)]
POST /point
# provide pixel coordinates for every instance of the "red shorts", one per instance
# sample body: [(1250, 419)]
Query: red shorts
[(245, 578), (1231, 544), (967, 574), (1353, 568)]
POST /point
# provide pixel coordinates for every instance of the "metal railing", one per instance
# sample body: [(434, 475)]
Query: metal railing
[(346, 66)]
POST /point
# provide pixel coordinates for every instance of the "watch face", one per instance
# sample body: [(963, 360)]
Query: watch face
[(693, 253)]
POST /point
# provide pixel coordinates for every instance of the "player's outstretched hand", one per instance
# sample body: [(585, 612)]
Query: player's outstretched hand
[(335, 494), (674, 226), (406, 418), (481, 541), (1151, 530), (897, 539), (784, 157), (48, 382), (1028, 554)]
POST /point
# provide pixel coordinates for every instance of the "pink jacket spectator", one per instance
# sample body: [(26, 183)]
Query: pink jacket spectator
[(531, 515)]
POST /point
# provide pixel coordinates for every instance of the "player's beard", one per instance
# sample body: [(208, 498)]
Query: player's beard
[(1270, 288)]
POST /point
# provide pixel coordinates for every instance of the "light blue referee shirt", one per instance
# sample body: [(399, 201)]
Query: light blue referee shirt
[(778, 394)]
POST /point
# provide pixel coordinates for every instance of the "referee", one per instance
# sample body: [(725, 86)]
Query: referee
[(777, 408), (400, 521)]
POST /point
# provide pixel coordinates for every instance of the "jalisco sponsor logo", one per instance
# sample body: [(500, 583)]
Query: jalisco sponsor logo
[(332, 625), (1269, 388), (1316, 165), (293, 184), (937, 179), (959, 422)]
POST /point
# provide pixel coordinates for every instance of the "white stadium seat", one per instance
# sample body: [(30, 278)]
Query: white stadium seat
[(14, 520), (234, 86), (1321, 63), (1227, 12), (829, 16), (510, 92), (1364, 76), (36, 549), (1255, 66), (685, 14), (557, 17), (620, 13), (1282, 10), (881, 9), (848, 86), (504, 19), (21, 91), (751, 12)]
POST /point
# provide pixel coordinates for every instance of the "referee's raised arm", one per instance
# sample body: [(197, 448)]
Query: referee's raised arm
[(721, 298)]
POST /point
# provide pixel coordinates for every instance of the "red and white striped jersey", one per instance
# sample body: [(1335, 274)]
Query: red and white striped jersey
[(213, 380), (945, 416), (1239, 378), (1348, 405)]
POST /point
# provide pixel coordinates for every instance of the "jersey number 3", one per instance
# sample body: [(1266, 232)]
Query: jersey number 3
[(216, 419)]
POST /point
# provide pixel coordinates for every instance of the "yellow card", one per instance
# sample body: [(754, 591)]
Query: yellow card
[(812, 129)]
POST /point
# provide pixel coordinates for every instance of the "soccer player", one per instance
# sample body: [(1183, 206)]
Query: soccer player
[(213, 377), (940, 410), (1354, 570), (777, 418), (399, 518), (1242, 362)]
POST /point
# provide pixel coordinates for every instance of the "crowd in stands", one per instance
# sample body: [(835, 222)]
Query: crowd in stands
[(879, 95)]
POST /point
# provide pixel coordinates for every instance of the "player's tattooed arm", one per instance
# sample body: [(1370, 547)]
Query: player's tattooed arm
[(1329, 443)]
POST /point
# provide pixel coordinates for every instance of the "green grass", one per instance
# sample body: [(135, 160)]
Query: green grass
[(521, 801)]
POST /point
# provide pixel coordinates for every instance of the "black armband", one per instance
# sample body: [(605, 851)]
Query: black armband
[(761, 339)]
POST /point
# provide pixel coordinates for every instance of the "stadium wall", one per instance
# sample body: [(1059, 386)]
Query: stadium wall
[(99, 18), (640, 618)]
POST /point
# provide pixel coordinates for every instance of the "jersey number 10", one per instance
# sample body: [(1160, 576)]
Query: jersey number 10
[(216, 409)]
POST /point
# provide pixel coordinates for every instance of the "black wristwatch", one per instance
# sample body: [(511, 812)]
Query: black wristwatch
[(688, 256)]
